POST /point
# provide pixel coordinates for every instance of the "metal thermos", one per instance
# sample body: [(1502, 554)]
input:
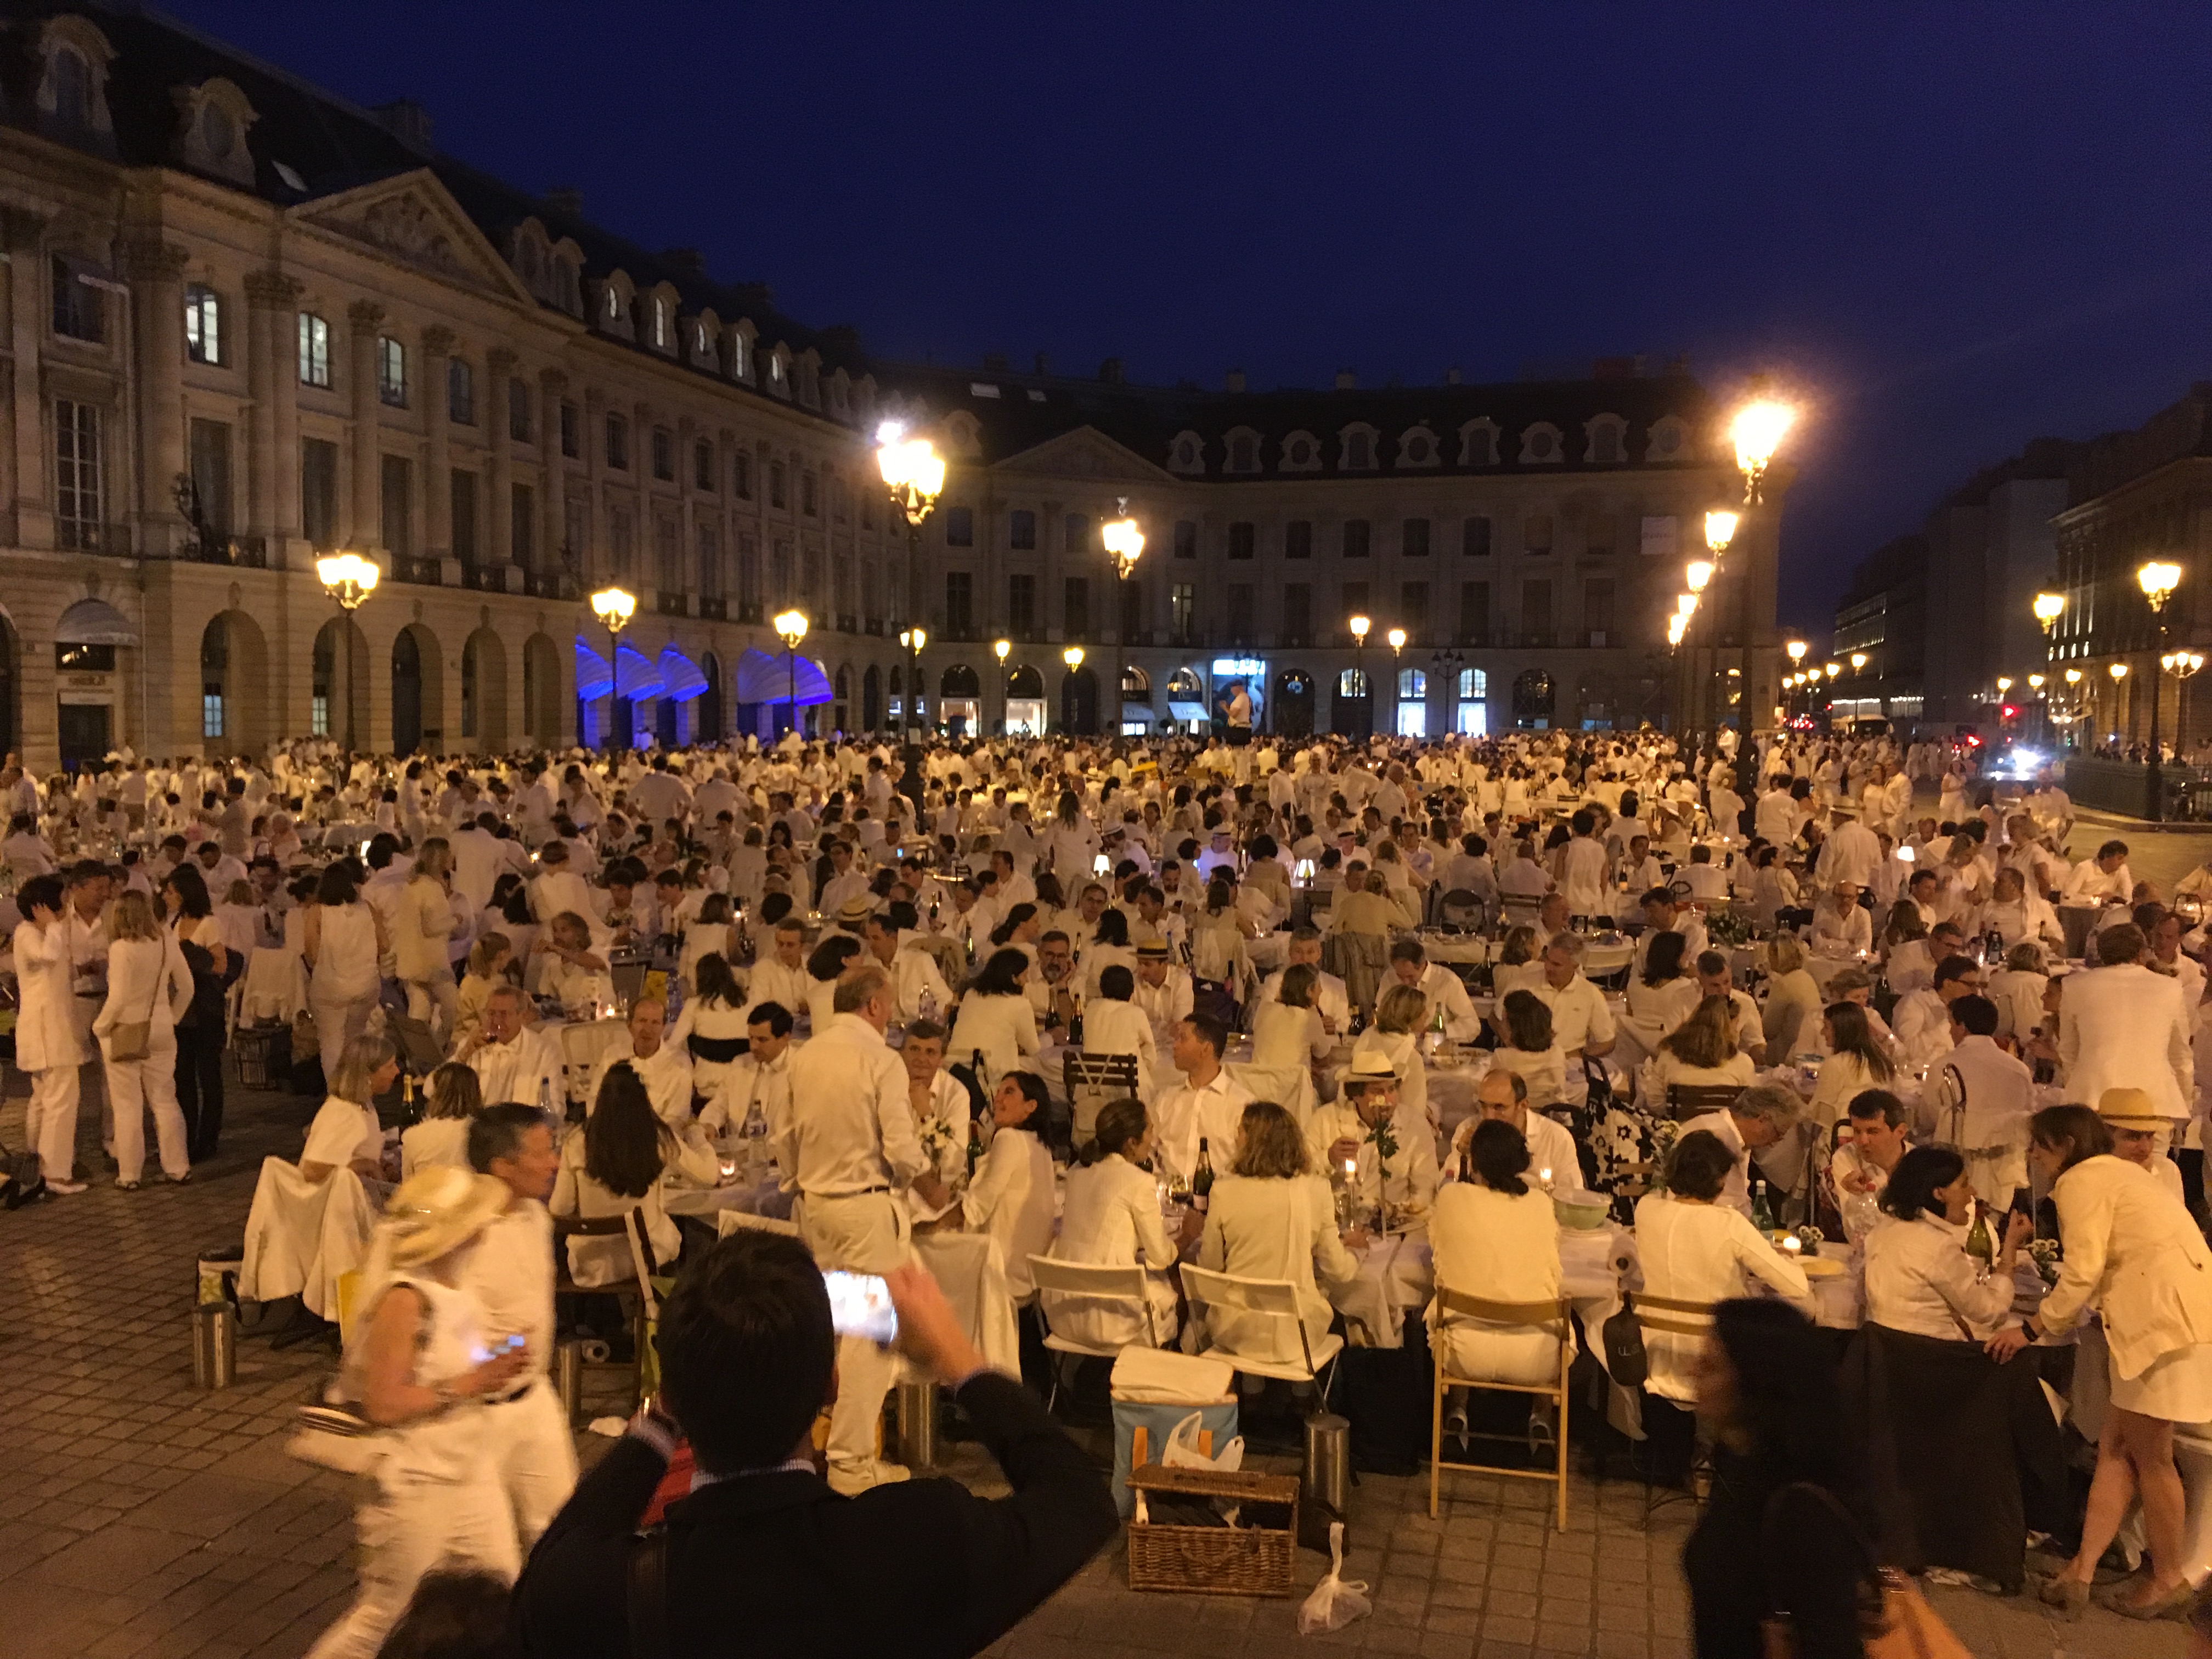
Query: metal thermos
[(1326, 1492), (568, 1376), (917, 1425), (215, 1345)]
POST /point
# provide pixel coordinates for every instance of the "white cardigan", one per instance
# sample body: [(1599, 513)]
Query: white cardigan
[(138, 971)]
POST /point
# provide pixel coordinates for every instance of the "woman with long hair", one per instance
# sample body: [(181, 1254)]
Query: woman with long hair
[(1661, 997), (423, 922), (489, 958), (344, 941), (200, 1030), (1271, 1217), (148, 983), (712, 1028), (1703, 1053), (2132, 1253), (1110, 1217), (995, 1029), (1109, 947), (452, 1096), (1855, 1063), (1531, 1050), (825, 963), (713, 934), (1517, 967), (1011, 1194), (614, 1164), (1793, 998)]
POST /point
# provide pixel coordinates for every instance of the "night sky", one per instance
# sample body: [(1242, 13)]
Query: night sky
[(1949, 228)]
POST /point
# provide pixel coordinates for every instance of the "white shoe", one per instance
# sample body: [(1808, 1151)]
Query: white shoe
[(66, 1189), (849, 1482)]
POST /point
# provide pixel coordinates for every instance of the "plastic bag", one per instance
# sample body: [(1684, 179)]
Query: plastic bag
[(1334, 1602), (1181, 1451)]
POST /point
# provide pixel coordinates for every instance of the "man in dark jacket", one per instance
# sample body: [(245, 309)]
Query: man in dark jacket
[(763, 1557)]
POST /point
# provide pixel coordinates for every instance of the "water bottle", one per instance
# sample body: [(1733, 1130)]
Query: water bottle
[(546, 1097), (928, 1008), (756, 1135)]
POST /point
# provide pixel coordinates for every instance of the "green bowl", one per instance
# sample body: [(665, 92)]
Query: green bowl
[(1580, 1212)]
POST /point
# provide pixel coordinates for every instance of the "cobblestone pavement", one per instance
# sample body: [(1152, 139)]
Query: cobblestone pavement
[(140, 1517)]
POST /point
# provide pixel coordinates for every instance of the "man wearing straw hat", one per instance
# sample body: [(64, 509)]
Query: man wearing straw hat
[(1351, 1134), (2138, 1125)]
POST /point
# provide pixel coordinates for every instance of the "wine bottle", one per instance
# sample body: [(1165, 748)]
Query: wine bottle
[(1979, 1244), (1762, 1213), (1201, 1179), (975, 1145)]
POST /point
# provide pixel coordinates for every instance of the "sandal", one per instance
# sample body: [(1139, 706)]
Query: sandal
[(2174, 1604), (123, 1186), (2068, 1595)]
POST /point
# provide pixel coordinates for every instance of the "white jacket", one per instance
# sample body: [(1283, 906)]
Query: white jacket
[(45, 1025), (2125, 1027), (2133, 1254)]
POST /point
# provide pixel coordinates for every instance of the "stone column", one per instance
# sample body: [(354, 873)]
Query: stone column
[(687, 537), (156, 272), (552, 480), (365, 317), (499, 468), (34, 509), (437, 449), (592, 564), (273, 426)]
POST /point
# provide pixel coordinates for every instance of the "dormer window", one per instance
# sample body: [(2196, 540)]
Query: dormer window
[(1417, 448), (1478, 443), (72, 84), (1665, 443), (614, 304), (71, 98), (1301, 453), (212, 120), (1357, 450), (1539, 444), (1244, 447), (1186, 453), (661, 336), (699, 339), (1607, 436)]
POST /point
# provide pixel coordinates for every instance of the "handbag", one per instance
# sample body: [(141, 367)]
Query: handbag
[(1908, 1627), (133, 1039), (332, 1438), (1626, 1361)]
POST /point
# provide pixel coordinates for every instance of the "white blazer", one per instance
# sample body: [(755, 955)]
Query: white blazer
[(2134, 1253), (2125, 1027), (1279, 1230)]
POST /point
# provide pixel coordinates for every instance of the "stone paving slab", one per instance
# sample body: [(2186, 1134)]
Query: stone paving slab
[(140, 1519)]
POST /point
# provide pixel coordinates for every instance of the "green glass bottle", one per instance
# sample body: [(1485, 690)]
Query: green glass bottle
[(1762, 1213), (1201, 1179)]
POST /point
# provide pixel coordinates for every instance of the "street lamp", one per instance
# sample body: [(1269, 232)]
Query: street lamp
[(613, 607), (1858, 661), (1359, 625), (913, 639), (1720, 529), (1796, 650), (790, 628), (348, 579), (913, 473), (1699, 573), (2181, 665), (1073, 658), (1397, 638), (2158, 580), (1758, 430), (1124, 541), (2049, 608)]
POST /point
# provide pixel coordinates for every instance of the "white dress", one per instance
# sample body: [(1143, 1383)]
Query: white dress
[(1702, 1253)]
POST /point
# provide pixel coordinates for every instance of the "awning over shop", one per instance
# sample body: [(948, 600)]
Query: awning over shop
[(636, 675), (681, 678), (95, 622), (1138, 711), (593, 676), (763, 678), (1187, 711)]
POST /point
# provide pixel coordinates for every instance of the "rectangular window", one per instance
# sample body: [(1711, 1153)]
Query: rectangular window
[(1182, 612), (202, 328), (211, 714), (1298, 539), (663, 454), (1355, 538), (1474, 536), (1075, 535), (1598, 538), (618, 442), (810, 500), (1242, 606), (209, 443), (319, 715), (518, 411), (668, 557), (1536, 534), (1355, 600), (1021, 530), (1536, 610), (710, 562), (396, 500), (960, 604), (1021, 606), (522, 527), (572, 432), (960, 526), (1413, 607), (391, 372), (1240, 540), (703, 465), (622, 541), (1297, 613), (460, 391), (1413, 540), (778, 495), (319, 492), (77, 314), (314, 350), (780, 571), (1659, 536), (1132, 609), (1075, 610), (1597, 610), (1474, 613), (741, 477), (465, 516), (78, 498), (1186, 539)]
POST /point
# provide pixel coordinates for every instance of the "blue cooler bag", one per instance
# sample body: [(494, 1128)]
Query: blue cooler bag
[(1157, 1389)]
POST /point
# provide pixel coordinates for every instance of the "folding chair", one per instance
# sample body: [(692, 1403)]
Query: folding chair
[(1092, 1080), (419, 1052), (1687, 1100), (1554, 1318), (1094, 1282), (639, 1304), (1674, 1318), (1277, 1298)]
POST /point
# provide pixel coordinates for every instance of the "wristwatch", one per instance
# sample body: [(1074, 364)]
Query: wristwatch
[(2027, 1330)]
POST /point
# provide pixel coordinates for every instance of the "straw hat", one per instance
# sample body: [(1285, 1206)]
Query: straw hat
[(1152, 948), (437, 1209), (2133, 1108), (854, 912), (1371, 1065)]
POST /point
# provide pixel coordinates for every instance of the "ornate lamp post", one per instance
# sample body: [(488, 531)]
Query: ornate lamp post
[(2157, 580), (1124, 544), (2181, 665), (1359, 625), (1001, 648), (1756, 431), (790, 628), (1073, 658), (913, 473), (613, 607), (348, 579), (913, 639)]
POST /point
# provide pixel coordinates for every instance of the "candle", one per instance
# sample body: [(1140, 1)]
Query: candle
[(1791, 1245)]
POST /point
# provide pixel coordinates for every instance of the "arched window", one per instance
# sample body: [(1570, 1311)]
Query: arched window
[(1413, 683), (1532, 698), (1351, 682), (72, 91)]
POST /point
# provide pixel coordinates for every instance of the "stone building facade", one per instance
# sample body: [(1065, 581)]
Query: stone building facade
[(249, 323)]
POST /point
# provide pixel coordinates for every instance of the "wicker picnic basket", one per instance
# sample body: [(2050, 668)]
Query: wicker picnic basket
[(1257, 1557)]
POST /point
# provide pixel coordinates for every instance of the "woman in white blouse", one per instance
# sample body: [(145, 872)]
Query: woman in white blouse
[(148, 982), (1918, 1275), (1272, 1218), (1702, 1054), (1529, 1052), (1011, 1196), (1694, 1249), (995, 1020), (1286, 1030), (343, 942), (452, 1096), (615, 1163), (1110, 1217), (1495, 1238), (1840, 928), (1855, 1063), (1792, 1016), (345, 1130), (1664, 994), (1516, 968)]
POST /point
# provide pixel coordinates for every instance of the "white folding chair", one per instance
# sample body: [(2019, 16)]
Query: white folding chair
[(1094, 1281), (1276, 1298)]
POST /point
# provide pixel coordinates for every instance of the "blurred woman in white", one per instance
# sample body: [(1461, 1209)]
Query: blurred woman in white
[(421, 1366), (1701, 1053), (1792, 1016), (1011, 1196), (148, 984), (712, 1028), (1918, 1275), (1517, 968), (1773, 887), (1694, 1249), (1840, 928), (423, 922), (995, 1020), (1271, 1217), (1529, 1051), (452, 1096), (2018, 987), (713, 934), (1110, 1218), (343, 943), (1495, 1236), (1855, 1063), (1286, 1030), (345, 1130)]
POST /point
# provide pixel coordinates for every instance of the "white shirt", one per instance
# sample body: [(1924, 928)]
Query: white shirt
[(851, 1127), (1579, 1014), (666, 1074), (1120, 1028), (1442, 988), (1186, 1114), (787, 988), (527, 1069), (1330, 999), (510, 1273), (1702, 1253), (1920, 1278), (343, 1132)]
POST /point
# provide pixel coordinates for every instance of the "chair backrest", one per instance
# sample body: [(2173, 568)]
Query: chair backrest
[(1460, 906), (1093, 1080), (418, 1049), (1689, 1100), (1097, 1278), (1676, 1317), (730, 1221), (582, 1045), (1262, 1296), (1451, 1302)]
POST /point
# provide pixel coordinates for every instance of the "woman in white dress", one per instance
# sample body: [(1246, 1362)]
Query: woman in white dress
[(1110, 1217), (712, 1028), (423, 922), (996, 1027), (148, 983), (1496, 1237), (615, 1163), (1919, 1278), (1011, 1196), (2132, 1253), (1272, 1218), (452, 1096), (343, 945), (421, 1366), (345, 1130), (1286, 1032), (1701, 1053)]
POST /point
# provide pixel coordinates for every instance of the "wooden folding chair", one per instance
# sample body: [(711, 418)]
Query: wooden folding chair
[(1554, 1318), (1687, 1100), (1674, 1318), (1092, 1080)]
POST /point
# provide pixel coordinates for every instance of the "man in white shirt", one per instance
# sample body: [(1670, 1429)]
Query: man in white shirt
[(1664, 914), (1163, 992), (1503, 1095), (1706, 882), (846, 885), (1761, 1117), (2106, 877), (781, 978), (1209, 1105), (478, 857), (1439, 986), (1331, 1001), (512, 1060), (851, 1148), (664, 1068), (1922, 1019), (1981, 1097), (1582, 1023), (921, 990), (1346, 1133), (1850, 855), (760, 1078), (1864, 1160)]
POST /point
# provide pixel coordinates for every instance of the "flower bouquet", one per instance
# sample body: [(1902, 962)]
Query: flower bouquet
[(2043, 1253)]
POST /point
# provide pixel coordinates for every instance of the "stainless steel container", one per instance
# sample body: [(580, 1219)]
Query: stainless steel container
[(215, 1345), (568, 1376), (917, 1425), (1326, 1492)]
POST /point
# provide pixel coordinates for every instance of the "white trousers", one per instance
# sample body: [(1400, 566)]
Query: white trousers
[(337, 1019), (50, 1125), (134, 1088), (536, 1456), (409, 1527), (435, 1001), (867, 1234)]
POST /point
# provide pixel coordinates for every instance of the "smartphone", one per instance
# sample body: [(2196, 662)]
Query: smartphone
[(860, 1305)]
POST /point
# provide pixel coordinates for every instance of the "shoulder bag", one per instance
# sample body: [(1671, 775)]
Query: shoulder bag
[(1626, 1360), (1907, 1627), (133, 1039)]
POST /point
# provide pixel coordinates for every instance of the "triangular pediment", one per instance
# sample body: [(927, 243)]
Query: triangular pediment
[(1085, 453), (413, 220)]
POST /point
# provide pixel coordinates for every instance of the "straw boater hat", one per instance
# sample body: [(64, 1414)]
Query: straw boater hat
[(2133, 1108), (854, 912), (437, 1209), (1152, 948), (1371, 1065)]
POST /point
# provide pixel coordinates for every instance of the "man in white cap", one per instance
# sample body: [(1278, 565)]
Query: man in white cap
[(1392, 1155)]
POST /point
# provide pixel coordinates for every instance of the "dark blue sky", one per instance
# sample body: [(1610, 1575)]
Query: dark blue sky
[(1950, 228)]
